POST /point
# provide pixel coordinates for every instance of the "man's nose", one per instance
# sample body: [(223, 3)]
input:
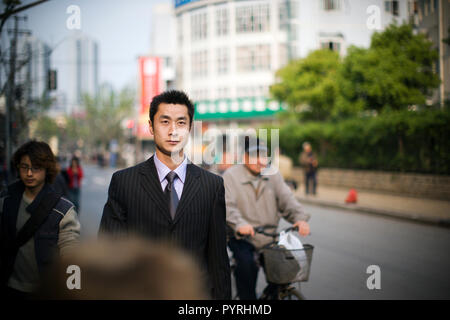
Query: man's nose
[(173, 130)]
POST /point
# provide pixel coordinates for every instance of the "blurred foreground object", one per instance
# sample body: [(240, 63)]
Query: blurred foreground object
[(127, 268), (352, 196)]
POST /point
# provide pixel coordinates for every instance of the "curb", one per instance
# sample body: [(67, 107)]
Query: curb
[(418, 218)]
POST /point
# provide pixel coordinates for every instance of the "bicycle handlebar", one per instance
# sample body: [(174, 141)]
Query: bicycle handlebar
[(262, 230)]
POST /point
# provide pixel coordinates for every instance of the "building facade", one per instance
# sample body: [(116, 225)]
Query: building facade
[(228, 51), (77, 62), (227, 55), (433, 19), (338, 24)]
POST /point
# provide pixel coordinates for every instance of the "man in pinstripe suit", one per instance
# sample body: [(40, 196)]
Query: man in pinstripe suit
[(167, 198)]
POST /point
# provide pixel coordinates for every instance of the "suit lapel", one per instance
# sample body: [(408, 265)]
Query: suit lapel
[(152, 186), (190, 189)]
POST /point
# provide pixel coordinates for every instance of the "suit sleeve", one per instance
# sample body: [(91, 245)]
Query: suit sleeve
[(114, 216), (218, 263)]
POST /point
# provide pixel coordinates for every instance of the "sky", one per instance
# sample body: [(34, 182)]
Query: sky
[(121, 27)]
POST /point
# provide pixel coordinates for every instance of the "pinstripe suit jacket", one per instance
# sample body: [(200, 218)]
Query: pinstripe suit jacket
[(136, 204)]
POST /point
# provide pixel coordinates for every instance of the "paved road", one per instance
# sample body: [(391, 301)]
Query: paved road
[(413, 258)]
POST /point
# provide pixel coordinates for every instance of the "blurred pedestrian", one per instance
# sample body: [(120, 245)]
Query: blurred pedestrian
[(61, 183), (309, 162), (36, 222), (128, 268), (167, 198), (75, 173)]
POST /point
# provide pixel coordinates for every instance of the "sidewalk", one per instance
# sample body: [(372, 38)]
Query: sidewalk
[(430, 211)]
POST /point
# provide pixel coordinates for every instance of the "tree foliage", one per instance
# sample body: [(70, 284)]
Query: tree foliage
[(105, 113), (96, 127), (395, 72), (405, 141), (309, 83)]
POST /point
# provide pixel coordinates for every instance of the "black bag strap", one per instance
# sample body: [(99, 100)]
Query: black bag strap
[(28, 230)]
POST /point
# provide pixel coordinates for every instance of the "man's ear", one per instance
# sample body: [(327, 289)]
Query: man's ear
[(150, 127)]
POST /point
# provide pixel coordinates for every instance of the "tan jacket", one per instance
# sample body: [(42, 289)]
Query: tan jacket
[(259, 201)]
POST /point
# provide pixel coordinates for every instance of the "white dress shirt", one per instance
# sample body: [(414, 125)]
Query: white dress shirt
[(163, 170)]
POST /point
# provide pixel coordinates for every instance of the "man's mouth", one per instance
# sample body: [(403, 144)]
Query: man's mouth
[(172, 142)]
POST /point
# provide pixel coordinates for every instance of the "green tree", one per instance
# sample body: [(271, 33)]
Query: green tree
[(309, 85), (394, 73), (46, 128), (104, 115)]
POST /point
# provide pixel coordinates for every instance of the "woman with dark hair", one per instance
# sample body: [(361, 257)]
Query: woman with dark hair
[(75, 173)]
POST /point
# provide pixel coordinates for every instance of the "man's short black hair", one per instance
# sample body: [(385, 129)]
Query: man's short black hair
[(172, 97)]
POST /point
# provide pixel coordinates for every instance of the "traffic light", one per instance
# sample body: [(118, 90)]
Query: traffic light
[(52, 77)]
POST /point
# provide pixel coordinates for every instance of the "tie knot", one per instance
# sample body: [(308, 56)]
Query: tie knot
[(171, 176)]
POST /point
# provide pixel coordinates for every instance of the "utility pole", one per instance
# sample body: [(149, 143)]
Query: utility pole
[(10, 97), (11, 91), (10, 85)]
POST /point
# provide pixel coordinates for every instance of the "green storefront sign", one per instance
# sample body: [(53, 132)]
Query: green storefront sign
[(240, 108)]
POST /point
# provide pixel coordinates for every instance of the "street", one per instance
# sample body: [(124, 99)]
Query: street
[(413, 258)]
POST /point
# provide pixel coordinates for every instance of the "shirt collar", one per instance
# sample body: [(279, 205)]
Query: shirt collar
[(247, 177), (163, 170)]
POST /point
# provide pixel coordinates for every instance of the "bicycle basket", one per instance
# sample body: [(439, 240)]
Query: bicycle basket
[(284, 266)]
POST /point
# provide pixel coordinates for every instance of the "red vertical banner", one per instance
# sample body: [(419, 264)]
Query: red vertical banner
[(149, 71)]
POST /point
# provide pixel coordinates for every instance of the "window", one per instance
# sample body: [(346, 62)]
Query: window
[(223, 93), (253, 58), (329, 5), (283, 15), (331, 45), (253, 18), (199, 26), (222, 21), (287, 10), (222, 60), (199, 63), (252, 91), (391, 7), (200, 94)]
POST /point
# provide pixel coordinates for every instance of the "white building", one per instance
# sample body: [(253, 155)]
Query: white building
[(77, 63), (228, 50), (337, 24), (227, 55), (163, 44)]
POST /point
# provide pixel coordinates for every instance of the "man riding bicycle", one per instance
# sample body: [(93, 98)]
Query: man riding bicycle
[(255, 199)]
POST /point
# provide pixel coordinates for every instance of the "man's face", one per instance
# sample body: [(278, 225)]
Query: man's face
[(31, 176), (255, 164), (307, 148), (170, 128)]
